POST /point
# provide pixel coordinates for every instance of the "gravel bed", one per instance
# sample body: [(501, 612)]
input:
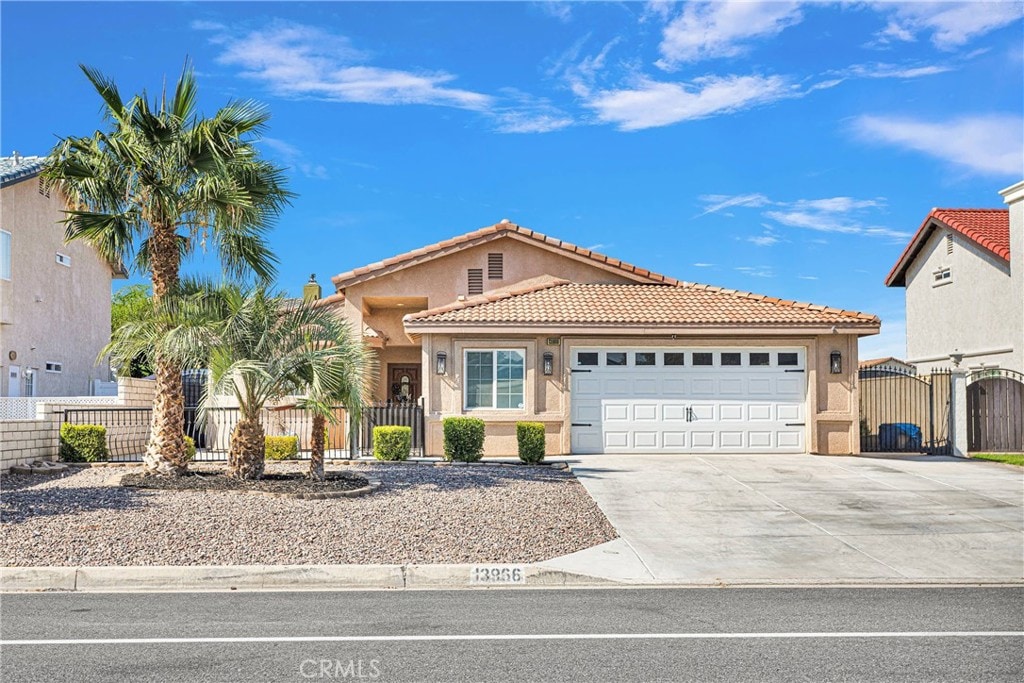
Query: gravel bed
[(421, 514), (276, 482)]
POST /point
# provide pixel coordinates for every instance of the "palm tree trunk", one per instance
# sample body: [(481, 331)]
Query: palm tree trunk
[(248, 449), (316, 454), (165, 451)]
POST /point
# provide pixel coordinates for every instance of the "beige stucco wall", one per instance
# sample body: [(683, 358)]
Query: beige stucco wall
[(973, 312), (442, 280), (50, 312), (832, 405)]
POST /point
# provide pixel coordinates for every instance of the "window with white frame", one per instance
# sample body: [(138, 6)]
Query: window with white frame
[(63, 259), (53, 366), (495, 379), (5, 255), (942, 276)]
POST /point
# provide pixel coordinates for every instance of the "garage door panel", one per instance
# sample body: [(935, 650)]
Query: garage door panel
[(688, 408)]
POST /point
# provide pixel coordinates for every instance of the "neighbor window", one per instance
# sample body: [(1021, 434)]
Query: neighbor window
[(5, 255), (645, 358), (675, 358), (760, 359), (942, 276), (615, 358), (586, 358), (788, 359), (703, 358), (63, 259), (731, 358), (494, 379), (51, 366)]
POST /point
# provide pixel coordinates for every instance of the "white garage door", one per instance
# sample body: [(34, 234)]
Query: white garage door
[(688, 400)]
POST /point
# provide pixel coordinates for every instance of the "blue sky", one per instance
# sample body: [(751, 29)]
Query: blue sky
[(784, 148)]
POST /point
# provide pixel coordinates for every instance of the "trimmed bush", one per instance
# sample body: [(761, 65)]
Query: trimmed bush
[(530, 437), (190, 448), (463, 438), (281, 447), (391, 442), (83, 443)]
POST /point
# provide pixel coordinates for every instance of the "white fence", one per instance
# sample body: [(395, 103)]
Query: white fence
[(24, 407)]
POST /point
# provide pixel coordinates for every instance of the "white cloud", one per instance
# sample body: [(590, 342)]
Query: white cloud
[(722, 29), (557, 10), (298, 61), (652, 103), (718, 202), (808, 277), (703, 265), (764, 240), (528, 114), (838, 204), (840, 221), (990, 144), (293, 156), (756, 271), (883, 70), (951, 24), (204, 25)]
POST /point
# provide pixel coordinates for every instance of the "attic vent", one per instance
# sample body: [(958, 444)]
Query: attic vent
[(44, 189), (949, 245), (476, 281), (495, 266)]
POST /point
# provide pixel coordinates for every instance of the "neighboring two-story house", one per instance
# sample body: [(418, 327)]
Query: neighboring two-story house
[(54, 296), (965, 286), (507, 324)]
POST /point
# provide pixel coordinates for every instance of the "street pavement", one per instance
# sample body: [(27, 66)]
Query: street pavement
[(706, 634), (803, 519)]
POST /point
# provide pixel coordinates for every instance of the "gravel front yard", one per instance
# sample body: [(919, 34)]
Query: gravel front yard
[(421, 514)]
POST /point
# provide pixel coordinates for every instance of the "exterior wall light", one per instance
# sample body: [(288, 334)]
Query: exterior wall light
[(835, 363), (442, 362), (549, 363)]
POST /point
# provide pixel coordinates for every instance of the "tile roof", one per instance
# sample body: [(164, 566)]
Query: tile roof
[(487, 234), (26, 167), (558, 302), (875, 362), (988, 228)]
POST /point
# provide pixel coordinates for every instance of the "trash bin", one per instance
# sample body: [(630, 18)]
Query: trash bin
[(899, 436)]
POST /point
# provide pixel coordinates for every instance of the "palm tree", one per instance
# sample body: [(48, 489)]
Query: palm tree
[(159, 184), (267, 348), (356, 367)]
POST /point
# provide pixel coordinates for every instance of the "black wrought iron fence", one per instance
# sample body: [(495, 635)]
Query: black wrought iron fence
[(904, 412), (385, 414), (128, 430)]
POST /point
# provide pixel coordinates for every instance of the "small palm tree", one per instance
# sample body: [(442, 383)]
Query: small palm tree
[(266, 349), (161, 183)]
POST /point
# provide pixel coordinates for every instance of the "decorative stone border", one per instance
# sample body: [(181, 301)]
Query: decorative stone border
[(39, 467)]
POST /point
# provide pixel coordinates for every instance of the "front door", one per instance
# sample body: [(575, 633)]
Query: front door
[(403, 383), (14, 381)]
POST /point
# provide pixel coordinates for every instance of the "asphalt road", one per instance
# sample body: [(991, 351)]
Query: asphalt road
[(749, 634)]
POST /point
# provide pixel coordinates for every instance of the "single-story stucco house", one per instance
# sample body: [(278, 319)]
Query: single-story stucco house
[(507, 324)]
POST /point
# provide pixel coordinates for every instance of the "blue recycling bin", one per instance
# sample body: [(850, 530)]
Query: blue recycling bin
[(899, 436)]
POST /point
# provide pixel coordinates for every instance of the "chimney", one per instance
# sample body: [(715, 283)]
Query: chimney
[(311, 290)]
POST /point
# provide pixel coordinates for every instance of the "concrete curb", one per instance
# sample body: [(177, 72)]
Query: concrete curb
[(283, 577), (385, 577)]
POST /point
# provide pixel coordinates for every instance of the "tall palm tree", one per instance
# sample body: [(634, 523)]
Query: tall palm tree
[(267, 348), (162, 182)]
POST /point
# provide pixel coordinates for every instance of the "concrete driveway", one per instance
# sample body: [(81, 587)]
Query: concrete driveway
[(804, 518)]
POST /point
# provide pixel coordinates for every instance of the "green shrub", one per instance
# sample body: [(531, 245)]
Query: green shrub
[(83, 443), (281, 447), (392, 443), (463, 438), (530, 437), (190, 448)]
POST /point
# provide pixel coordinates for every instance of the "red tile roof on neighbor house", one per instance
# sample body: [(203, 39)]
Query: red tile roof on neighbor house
[(875, 362), (562, 303), (487, 234), (988, 228)]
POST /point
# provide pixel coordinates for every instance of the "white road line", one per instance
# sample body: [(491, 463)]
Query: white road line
[(522, 636)]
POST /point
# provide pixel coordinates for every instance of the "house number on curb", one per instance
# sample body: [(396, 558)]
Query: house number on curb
[(499, 574)]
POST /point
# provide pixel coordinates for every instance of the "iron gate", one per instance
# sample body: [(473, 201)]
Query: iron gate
[(387, 414), (904, 412), (995, 411)]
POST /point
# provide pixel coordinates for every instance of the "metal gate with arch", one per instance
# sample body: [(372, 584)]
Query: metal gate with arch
[(904, 412), (995, 411)]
